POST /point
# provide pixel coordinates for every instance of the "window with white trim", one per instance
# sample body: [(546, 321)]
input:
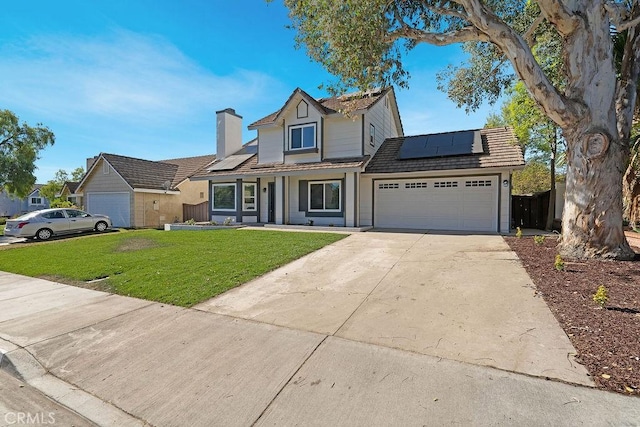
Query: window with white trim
[(325, 196), (35, 201), (302, 136), (223, 197), (372, 135), (249, 196)]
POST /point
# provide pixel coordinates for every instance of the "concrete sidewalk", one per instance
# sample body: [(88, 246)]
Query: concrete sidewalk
[(122, 361)]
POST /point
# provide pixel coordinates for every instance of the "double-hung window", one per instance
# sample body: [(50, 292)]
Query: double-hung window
[(223, 197), (36, 201), (325, 196), (302, 136), (249, 196)]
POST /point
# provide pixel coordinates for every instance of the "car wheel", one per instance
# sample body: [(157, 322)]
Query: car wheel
[(101, 226), (44, 234)]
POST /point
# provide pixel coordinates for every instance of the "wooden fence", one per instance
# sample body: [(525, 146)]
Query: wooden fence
[(199, 212), (530, 211)]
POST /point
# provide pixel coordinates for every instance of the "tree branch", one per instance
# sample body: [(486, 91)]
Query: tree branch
[(620, 16), (513, 46), (555, 12), (528, 35), (466, 34)]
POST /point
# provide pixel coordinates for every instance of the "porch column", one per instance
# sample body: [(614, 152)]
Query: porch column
[(279, 199), (350, 199)]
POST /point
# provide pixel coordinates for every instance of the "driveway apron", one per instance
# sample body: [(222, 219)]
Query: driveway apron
[(455, 296)]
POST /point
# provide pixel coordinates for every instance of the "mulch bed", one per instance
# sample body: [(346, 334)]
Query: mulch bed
[(607, 339)]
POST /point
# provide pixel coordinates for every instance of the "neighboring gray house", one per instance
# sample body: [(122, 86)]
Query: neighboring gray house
[(11, 206)]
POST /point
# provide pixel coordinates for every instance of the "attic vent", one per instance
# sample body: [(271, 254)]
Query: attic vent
[(303, 110), (105, 167)]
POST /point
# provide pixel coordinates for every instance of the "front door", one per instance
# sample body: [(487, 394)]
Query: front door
[(271, 202)]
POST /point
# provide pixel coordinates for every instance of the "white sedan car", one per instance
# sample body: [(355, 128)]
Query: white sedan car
[(51, 222)]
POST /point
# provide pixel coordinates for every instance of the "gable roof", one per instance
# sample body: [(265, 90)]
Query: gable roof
[(72, 186), (499, 151), (357, 101), (152, 175)]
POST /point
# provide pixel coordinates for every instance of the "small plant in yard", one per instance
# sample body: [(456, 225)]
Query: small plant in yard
[(228, 221), (213, 222), (190, 221), (518, 232), (538, 239), (559, 263), (601, 296)]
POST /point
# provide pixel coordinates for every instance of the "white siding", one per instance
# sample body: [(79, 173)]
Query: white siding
[(380, 116), (343, 137), (291, 119), (505, 202), (366, 201), (270, 145)]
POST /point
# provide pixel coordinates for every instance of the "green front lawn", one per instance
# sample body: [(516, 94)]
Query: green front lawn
[(175, 267)]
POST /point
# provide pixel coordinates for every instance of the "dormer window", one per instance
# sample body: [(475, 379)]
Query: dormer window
[(303, 110), (302, 136)]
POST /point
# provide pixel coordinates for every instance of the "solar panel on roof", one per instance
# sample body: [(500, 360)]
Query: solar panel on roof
[(441, 145), (230, 162)]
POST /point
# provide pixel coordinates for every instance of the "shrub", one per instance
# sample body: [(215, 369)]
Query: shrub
[(190, 221), (601, 296), (518, 232), (559, 263), (228, 221), (538, 239), (3, 220)]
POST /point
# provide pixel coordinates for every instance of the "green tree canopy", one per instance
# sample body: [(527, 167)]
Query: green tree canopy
[(20, 145), (51, 190)]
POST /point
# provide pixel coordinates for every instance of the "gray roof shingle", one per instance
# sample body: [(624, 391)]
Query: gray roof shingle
[(500, 151), (154, 175), (351, 102)]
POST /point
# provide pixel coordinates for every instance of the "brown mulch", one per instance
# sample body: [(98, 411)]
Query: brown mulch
[(607, 339)]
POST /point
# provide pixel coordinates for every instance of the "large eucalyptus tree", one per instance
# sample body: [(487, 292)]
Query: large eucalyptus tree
[(361, 42)]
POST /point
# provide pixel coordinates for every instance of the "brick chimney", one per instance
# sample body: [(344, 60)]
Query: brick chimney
[(90, 162), (228, 133)]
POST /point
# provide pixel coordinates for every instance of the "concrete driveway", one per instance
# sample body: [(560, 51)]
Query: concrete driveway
[(460, 297)]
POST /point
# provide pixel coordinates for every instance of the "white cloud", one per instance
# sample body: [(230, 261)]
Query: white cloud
[(124, 77)]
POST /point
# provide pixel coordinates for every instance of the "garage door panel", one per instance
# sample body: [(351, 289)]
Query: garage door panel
[(460, 203), (116, 206)]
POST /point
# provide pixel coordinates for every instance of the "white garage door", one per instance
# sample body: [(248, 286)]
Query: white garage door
[(115, 205), (462, 203)]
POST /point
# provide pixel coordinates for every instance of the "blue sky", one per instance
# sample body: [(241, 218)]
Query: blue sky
[(143, 78)]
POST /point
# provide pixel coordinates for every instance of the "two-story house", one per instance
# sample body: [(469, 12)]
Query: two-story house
[(313, 164)]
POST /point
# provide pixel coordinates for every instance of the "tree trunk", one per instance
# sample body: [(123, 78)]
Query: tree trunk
[(592, 219), (551, 212)]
